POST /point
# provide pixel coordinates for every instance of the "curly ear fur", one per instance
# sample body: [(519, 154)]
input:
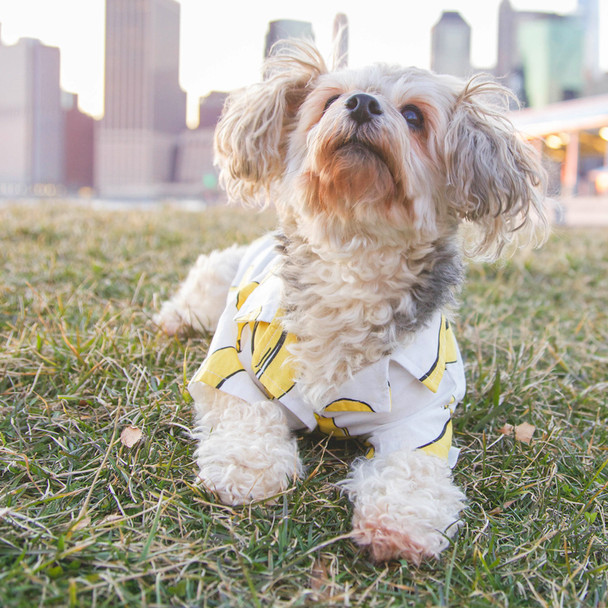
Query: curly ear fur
[(495, 178), (251, 137)]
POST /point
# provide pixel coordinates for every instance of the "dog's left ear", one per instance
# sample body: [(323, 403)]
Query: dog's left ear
[(495, 179)]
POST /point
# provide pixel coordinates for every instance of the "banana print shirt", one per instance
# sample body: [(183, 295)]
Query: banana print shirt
[(404, 400)]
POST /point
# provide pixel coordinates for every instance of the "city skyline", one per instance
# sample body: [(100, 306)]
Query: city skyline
[(232, 57)]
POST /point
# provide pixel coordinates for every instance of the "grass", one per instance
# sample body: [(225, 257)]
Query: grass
[(87, 521)]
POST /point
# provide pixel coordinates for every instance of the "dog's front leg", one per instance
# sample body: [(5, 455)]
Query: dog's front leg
[(201, 298), (405, 505), (245, 452)]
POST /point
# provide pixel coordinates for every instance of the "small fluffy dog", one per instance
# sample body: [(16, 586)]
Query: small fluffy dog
[(340, 319)]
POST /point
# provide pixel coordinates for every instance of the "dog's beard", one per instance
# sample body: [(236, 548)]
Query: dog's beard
[(353, 181)]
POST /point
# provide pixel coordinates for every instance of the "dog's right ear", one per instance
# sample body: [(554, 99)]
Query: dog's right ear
[(251, 136)]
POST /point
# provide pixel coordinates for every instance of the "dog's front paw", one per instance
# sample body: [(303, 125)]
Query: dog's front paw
[(405, 505), (200, 300), (248, 454), (170, 319)]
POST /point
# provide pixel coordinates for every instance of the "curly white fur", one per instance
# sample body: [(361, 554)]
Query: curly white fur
[(370, 210), (405, 505), (245, 451), (201, 298), (348, 299)]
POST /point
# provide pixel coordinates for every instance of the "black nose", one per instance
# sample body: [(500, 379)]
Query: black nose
[(363, 107)]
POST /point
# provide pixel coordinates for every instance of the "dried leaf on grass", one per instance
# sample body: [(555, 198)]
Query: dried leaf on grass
[(130, 436), (319, 576), (523, 432), (82, 523), (498, 510)]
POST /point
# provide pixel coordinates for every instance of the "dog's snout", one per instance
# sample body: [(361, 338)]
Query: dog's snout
[(363, 107)]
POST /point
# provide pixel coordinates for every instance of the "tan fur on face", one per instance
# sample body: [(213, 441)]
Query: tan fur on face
[(349, 181), (380, 171), (276, 142)]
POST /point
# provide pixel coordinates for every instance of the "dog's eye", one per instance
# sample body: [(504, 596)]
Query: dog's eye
[(413, 117), (329, 102)]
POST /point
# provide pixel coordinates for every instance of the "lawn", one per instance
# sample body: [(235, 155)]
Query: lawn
[(86, 520)]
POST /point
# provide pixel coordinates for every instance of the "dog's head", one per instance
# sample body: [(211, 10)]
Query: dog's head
[(379, 150)]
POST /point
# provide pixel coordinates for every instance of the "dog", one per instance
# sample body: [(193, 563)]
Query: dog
[(341, 318)]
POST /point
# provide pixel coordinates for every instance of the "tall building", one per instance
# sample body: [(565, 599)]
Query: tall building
[(283, 29), (79, 146), (31, 117), (196, 171), (541, 56), (340, 41), (589, 13), (451, 45), (552, 59), (506, 48), (145, 108)]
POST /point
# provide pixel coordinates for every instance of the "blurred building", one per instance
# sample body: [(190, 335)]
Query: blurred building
[(573, 138), (195, 169), (552, 59), (340, 42), (552, 62), (589, 14), (145, 108), (451, 45), (210, 109), (284, 29), (541, 56), (79, 146), (31, 118)]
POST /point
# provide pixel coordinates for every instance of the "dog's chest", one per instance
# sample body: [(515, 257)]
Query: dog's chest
[(345, 315), (350, 308)]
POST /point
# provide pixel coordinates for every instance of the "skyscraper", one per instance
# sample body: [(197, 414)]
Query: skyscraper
[(508, 57), (541, 56), (79, 146), (451, 45), (589, 13), (284, 29), (145, 109), (31, 117), (340, 42)]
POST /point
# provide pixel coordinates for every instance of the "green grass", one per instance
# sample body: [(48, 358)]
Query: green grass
[(86, 521)]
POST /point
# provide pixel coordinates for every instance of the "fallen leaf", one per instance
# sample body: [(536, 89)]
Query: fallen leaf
[(524, 432), (112, 518), (507, 429), (82, 523), (130, 436), (498, 510), (318, 576)]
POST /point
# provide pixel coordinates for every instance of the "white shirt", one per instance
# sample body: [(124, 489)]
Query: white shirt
[(404, 400)]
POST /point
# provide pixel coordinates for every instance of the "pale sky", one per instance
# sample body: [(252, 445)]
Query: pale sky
[(222, 41)]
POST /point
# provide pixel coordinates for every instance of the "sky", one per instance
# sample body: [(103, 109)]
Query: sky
[(222, 41)]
